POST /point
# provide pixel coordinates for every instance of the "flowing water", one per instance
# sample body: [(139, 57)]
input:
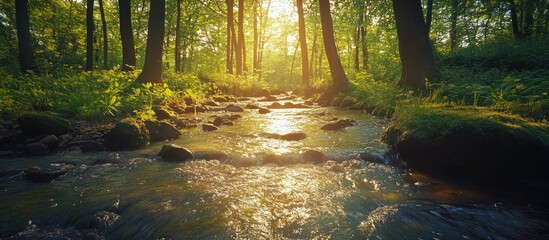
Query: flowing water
[(136, 196)]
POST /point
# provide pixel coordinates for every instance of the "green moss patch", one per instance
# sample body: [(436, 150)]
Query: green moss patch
[(470, 142)]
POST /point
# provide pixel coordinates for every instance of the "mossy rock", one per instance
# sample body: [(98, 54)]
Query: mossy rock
[(34, 123), (127, 134), (470, 143)]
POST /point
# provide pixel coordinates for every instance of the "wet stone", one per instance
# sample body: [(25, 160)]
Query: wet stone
[(209, 127), (175, 153), (47, 173), (36, 149), (313, 156), (264, 111)]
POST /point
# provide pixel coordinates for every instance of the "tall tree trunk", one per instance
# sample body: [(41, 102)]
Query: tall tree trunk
[(23, 35), (303, 45), (89, 35), (256, 36), (528, 18), (357, 35), (241, 39), (105, 39), (339, 79), (230, 27), (429, 17), (178, 38), (416, 55), (453, 27), (126, 34), (313, 55), (238, 43), (363, 37), (152, 70)]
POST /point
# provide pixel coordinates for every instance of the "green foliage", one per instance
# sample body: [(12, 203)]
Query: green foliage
[(379, 97), (93, 96), (236, 85)]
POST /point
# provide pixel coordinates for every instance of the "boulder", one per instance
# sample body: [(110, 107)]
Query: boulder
[(274, 158), (293, 136), (373, 157), (211, 103), (233, 117), (162, 114), (263, 93), (234, 108), (51, 141), (264, 111), (160, 131), (269, 98), (209, 127), (313, 156), (218, 121), (275, 105), (251, 106), (36, 149), (103, 220), (47, 173), (127, 134), (175, 153), (91, 146), (338, 125), (210, 155), (42, 123), (220, 99)]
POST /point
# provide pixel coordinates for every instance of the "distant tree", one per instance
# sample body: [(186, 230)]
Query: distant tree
[(416, 55), (105, 38), (89, 35), (256, 37), (128, 49), (241, 44), (339, 79), (303, 45), (453, 27), (178, 38), (230, 36), (152, 70), (23, 35)]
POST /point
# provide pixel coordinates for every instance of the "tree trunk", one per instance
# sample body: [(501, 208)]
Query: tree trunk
[(105, 39), (152, 70), (528, 18), (230, 26), (303, 45), (178, 38), (357, 35), (416, 55), (313, 54), (429, 17), (453, 27), (256, 37), (23, 35), (126, 34), (339, 79), (89, 35), (241, 39), (363, 38)]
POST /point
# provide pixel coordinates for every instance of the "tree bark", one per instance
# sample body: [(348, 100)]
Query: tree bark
[(256, 37), (178, 38), (453, 26), (416, 55), (89, 35), (339, 79), (230, 27), (152, 70), (241, 39), (528, 18), (429, 17), (126, 34), (364, 42), (303, 45), (23, 35), (105, 39)]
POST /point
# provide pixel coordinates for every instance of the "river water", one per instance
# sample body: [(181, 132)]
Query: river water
[(137, 196)]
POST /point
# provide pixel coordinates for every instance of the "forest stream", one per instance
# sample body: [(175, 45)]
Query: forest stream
[(137, 196)]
